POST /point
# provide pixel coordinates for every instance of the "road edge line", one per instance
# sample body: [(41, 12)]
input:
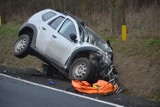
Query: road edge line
[(63, 91)]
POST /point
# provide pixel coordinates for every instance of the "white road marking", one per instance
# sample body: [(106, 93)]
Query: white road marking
[(63, 91)]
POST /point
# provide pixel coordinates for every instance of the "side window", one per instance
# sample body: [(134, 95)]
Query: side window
[(67, 29), (56, 22), (48, 15)]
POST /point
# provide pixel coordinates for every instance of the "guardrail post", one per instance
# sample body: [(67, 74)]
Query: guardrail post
[(0, 21)]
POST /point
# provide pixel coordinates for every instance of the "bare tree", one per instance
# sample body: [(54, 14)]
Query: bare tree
[(117, 15), (3, 10)]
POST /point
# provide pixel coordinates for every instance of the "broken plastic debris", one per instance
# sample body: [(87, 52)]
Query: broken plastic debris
[(118, 99), (96, 98), (51, 83)]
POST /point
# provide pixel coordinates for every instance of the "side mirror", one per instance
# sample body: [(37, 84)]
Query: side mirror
[(108, 42), (73, 37)]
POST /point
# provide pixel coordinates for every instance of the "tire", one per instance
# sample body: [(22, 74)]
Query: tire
[(81, 69), (21, 46)]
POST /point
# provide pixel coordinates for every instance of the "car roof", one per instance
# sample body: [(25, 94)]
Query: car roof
[(79, 21)]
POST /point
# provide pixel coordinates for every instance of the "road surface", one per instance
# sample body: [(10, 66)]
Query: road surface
[(13, 91), (21, 93)]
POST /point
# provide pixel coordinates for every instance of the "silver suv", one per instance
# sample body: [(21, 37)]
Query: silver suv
[(65, 43)]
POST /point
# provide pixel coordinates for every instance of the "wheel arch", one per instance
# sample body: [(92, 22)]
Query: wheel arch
[(31, 30), (81, 52), (26, 30)]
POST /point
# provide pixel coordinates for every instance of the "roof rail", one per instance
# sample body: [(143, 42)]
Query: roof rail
[(77, 19)]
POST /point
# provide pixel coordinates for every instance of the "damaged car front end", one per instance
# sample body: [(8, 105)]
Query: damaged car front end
[(104, 63)]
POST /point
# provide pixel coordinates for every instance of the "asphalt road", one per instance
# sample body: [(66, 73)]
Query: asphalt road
[(17, 93), (25, 94)]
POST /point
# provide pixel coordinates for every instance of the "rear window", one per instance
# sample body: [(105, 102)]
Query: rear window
[(67, 29), (56, 22), (48, 15)]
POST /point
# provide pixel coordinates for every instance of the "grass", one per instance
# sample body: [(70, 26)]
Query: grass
[(144, 47), (8, 35), (153, 46), (152, 42), (10, 29), (157, 97)]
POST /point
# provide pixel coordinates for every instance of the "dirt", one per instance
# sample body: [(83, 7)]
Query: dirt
[(139, 75)]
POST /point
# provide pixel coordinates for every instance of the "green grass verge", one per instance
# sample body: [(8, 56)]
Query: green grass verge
[(8, 35), (10, 29), (157, 97), (152, 42), (153, 45)]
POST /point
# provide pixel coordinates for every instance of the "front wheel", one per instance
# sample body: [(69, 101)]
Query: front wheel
[(81, 69), (21, 46)]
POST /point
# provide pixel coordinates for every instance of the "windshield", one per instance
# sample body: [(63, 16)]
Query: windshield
[(88, 35)]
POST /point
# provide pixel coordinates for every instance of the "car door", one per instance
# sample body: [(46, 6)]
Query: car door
[(45, 33), (60, 45)]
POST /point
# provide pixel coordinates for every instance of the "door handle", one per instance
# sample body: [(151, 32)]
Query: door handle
[(43, 28), (54, 36)]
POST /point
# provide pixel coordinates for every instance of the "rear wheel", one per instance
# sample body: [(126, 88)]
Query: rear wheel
[(21, 46), (81, 69)]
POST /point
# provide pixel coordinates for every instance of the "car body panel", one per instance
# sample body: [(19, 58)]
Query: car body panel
[(55, 48)]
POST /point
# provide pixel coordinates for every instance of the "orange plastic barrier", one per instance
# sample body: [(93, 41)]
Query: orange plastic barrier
[(100, 87)]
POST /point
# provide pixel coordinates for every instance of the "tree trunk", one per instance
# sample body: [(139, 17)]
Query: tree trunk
[(118, 15)]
